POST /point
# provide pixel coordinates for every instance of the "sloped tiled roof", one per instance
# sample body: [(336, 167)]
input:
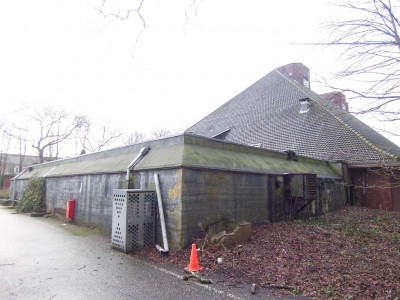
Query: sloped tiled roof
[(267, 113)]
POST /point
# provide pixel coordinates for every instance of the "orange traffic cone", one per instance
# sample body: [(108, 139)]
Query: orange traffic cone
[(194, 263)]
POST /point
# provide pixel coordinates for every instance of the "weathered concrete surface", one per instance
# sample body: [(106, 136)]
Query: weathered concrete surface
[(203, 182), (19, 187), (209, 197), (170, 186), (93, 195), (41, 259)]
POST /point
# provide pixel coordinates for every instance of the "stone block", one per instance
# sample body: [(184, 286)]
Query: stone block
[(240, 235)]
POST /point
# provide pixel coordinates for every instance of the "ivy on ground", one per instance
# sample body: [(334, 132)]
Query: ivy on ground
[(32, 199)]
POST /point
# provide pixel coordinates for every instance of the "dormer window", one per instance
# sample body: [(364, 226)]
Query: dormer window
[(306, 82), (344, 106), (16, 169), (256, 145), (221, 135), (305, 105)]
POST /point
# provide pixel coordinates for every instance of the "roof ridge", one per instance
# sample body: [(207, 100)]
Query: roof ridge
[(358, 135)]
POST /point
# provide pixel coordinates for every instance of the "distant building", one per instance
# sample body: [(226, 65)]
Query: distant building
[(12, 164)]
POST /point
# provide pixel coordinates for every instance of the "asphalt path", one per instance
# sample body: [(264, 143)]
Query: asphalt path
[(47, 259)]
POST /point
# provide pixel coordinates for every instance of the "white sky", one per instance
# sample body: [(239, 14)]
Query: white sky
[(65, 54)]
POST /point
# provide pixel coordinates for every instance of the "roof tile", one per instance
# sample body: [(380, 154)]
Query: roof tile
[(268, 113)]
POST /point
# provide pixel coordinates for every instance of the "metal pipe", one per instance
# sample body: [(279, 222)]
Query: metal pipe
[(133, 163), (162, 220)]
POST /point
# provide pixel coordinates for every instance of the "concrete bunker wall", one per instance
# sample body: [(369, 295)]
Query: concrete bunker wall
[(209, 197), (93, 195), (171, 190), (192, 198), (333, 192), (20, 187)]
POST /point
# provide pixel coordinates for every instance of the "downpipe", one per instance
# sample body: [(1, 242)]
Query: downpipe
[(164, 250), (138, 157)]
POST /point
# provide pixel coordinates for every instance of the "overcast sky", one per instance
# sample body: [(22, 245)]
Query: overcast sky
[(64, 53)]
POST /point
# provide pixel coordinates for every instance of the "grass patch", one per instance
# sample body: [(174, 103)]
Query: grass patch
[(4, 194), (9, 209)]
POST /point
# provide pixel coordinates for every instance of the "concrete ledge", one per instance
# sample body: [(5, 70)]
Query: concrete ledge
[(37, 214), (5, 202), (61, 211)]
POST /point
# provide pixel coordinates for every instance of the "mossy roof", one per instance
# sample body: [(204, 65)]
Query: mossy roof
[(187, 151)]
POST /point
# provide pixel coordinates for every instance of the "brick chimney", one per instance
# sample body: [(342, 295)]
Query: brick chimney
[(338, 98), (298, 72)]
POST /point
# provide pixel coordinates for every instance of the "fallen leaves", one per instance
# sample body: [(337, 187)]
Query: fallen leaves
[(353, 253)]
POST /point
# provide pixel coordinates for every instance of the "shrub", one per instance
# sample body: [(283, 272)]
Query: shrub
[(32, 199), (4, 194)]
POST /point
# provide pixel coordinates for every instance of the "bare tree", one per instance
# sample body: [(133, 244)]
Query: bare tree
[(133, 137), (160, 132), (2, 124), (5, 146), (49, 128), (118, 10), (21, 138), (123, 14), (371, 45), (135, 8), (96, 140)]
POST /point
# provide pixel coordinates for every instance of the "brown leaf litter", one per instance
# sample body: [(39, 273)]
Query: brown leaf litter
[(352, 253)]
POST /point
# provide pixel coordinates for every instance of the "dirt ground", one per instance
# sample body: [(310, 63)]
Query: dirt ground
[(353, 253)]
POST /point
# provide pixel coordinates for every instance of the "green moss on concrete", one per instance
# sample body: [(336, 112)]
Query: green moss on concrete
[(209, 154)]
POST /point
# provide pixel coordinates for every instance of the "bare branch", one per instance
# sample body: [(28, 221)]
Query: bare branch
[(47, 128), (371, 45), (133, 137), (96, 140), (191, 5), (124, 14), (160, 132)]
